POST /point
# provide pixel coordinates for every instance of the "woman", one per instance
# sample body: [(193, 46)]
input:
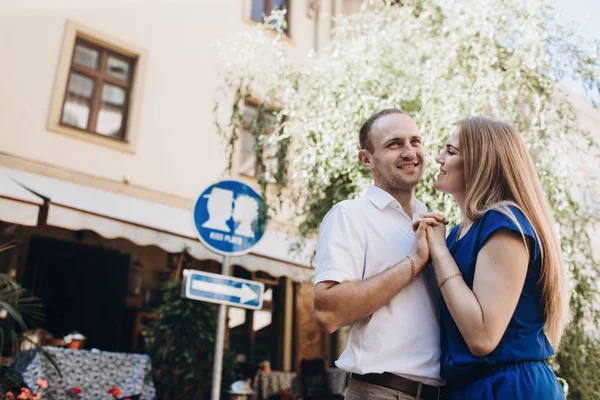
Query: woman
[(499, 271)]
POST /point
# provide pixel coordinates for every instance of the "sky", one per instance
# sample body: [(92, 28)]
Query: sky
[(578, 10), (588, 13)]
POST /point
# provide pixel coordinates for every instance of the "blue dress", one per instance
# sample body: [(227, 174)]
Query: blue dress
[(516, 369)]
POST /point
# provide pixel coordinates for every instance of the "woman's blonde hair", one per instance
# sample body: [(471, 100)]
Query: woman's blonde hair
[(499, 172)]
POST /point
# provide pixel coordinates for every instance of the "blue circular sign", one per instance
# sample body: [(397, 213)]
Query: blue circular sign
[(230, 217)]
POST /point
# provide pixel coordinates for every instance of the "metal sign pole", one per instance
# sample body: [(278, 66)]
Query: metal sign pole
[(218, 362), (211, 214)]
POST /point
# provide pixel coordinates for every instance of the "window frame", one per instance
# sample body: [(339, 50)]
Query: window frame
[(101, 77), (74, 34), (254, 103), (267, 7)]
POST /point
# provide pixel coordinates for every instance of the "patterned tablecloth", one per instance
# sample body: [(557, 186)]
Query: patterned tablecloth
[(94, 372), (268, 383)]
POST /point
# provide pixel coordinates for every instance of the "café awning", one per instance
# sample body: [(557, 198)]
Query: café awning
[(17, 204), (145, 223)]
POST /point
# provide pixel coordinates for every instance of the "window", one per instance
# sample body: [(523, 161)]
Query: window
[(97, 94), (261, 8), (252, 332), (256, 335), (98, 90), (273, 153), (589, 203)]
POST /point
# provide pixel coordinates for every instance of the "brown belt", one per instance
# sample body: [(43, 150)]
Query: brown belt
[(400, 384)]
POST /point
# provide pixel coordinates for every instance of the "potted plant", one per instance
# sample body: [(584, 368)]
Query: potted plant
[(181, 343), (22, 310)]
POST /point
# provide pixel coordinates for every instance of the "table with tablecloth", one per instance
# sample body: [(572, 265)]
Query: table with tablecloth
[(267, 383), (272, 382), (94, 372)]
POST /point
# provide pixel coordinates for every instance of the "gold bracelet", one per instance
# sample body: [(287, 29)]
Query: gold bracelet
[(413, 268), (446, 279)]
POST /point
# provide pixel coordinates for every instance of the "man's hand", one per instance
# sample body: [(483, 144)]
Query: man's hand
[(420, 248)]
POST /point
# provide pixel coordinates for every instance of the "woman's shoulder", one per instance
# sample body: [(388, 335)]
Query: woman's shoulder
[(507, 216)]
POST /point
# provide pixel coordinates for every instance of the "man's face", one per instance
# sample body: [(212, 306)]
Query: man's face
[(396, 156)]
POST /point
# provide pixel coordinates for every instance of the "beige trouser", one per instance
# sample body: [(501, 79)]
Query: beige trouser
[(359, 390)]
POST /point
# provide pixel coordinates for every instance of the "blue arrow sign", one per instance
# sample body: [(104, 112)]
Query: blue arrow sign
[(229, 217), (222, 289)]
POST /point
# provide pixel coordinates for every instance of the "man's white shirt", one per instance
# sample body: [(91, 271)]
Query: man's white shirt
[(359, 239)]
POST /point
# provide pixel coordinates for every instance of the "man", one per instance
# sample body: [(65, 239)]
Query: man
[(368, 271)]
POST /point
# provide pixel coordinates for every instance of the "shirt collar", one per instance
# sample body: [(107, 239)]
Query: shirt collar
[(381, 199)]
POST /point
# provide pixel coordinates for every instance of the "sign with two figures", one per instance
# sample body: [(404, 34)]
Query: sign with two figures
[(228, 217)]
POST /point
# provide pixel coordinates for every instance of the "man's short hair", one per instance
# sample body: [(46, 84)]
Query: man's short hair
[(365, 129)]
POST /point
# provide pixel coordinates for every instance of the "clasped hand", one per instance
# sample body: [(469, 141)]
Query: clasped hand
[(435, 227)]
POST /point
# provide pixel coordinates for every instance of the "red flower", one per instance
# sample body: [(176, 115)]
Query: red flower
[(76, 390), (115, 391), (42, 383), (25, 394), (10, 396)]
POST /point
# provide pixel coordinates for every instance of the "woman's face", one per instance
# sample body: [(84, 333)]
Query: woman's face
[(451, 178)]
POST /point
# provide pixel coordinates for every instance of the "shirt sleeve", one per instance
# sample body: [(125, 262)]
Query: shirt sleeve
[(495, 220), (340, 248)]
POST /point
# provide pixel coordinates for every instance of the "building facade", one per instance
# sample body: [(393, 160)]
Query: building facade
[(107, 136)]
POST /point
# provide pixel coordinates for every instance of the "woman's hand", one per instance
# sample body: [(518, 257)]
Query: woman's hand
[(430, 218), (436, 237)]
